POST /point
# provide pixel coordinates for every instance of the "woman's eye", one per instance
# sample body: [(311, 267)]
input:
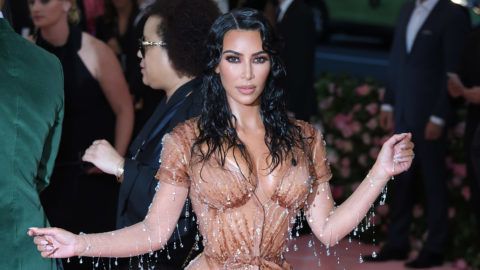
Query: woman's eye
[(260, 59), (232, 59)]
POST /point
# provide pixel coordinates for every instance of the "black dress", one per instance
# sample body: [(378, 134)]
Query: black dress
[(75, 200)]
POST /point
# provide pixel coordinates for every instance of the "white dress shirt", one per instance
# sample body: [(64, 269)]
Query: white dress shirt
[(418, 17), (283, 9), (222, 5)]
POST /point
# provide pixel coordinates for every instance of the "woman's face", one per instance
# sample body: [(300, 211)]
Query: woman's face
[(244, 67), (157, 70), (48, 12)]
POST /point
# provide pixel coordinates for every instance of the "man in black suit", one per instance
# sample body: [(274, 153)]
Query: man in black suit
[(465, 87), (428, 40), (297, 29)]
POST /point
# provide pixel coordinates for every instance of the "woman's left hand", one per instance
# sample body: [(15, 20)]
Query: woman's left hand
[(395, 157)]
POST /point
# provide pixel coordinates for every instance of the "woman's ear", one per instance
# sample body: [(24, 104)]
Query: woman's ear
[(217, 70), (67, 5)]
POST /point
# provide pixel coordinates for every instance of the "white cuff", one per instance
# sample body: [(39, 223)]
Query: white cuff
[(386, 108), (437, 120)]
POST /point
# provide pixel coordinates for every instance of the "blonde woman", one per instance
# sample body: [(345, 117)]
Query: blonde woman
[(97, 106)]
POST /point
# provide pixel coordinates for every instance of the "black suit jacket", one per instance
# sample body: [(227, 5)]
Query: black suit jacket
[(417, 80), (139, 183), (297, 29)]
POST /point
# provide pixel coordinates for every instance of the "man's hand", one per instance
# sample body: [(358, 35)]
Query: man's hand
[(433, 131), (386, 120), (455, 85)]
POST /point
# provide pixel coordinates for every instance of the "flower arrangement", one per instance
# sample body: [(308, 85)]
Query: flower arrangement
[(348, 115)]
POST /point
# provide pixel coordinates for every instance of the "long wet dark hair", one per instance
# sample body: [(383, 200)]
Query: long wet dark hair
[(216, 124)]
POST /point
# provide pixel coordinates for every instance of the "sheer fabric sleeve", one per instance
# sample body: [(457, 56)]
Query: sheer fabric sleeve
[(174, 160), (155, 230), (320, 166)]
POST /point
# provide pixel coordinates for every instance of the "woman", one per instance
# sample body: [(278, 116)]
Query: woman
[(172, 51), (247, 168), (97, 105)]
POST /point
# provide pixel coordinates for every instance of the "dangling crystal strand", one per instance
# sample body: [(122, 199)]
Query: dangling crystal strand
[(383, 197)]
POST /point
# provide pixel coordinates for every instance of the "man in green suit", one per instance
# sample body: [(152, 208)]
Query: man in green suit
[(31, 114)]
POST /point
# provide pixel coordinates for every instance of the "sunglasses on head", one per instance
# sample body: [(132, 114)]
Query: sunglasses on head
[(142, 43), (43, 2)]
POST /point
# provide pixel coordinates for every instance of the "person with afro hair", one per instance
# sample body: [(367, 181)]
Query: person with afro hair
[(172, 54)]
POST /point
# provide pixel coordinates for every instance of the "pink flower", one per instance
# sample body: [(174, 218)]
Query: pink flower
[(374, 152), (459, 170), (345, 162), (325, 103), (339, 144), (339, 91), (382, 210), (457, 181), (372, 108), (345, 172), (362, 160), (451, 212), (449, 162), (466, 193), (417, 211), (356, 127), (329, 139), (348, 147), (331, 88), (332, 156), (363, 90), (366, 138), (460, 264), (372, 124), (337, 192), (356, 108)]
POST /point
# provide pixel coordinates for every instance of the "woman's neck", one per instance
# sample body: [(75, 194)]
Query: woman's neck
[(56, 34), (247, 117), (176, 85)]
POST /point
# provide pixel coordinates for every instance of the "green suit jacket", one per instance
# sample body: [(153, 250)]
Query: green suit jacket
[(31, 114)]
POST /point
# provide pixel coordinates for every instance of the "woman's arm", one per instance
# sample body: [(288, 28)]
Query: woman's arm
[(329, 223), (104, 66), (144, 237), (115, 88), (150, 234)]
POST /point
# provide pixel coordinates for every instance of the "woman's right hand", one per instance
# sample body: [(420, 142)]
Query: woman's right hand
[(55, 242), (102, 154)]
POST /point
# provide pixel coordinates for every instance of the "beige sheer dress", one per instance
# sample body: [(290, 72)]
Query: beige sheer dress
[(244, 218)]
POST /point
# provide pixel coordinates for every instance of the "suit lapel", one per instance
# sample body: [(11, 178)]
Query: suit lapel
[(427, 24), (147, 128)]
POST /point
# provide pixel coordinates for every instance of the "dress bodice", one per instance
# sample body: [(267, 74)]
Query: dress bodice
[(242, 224)]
